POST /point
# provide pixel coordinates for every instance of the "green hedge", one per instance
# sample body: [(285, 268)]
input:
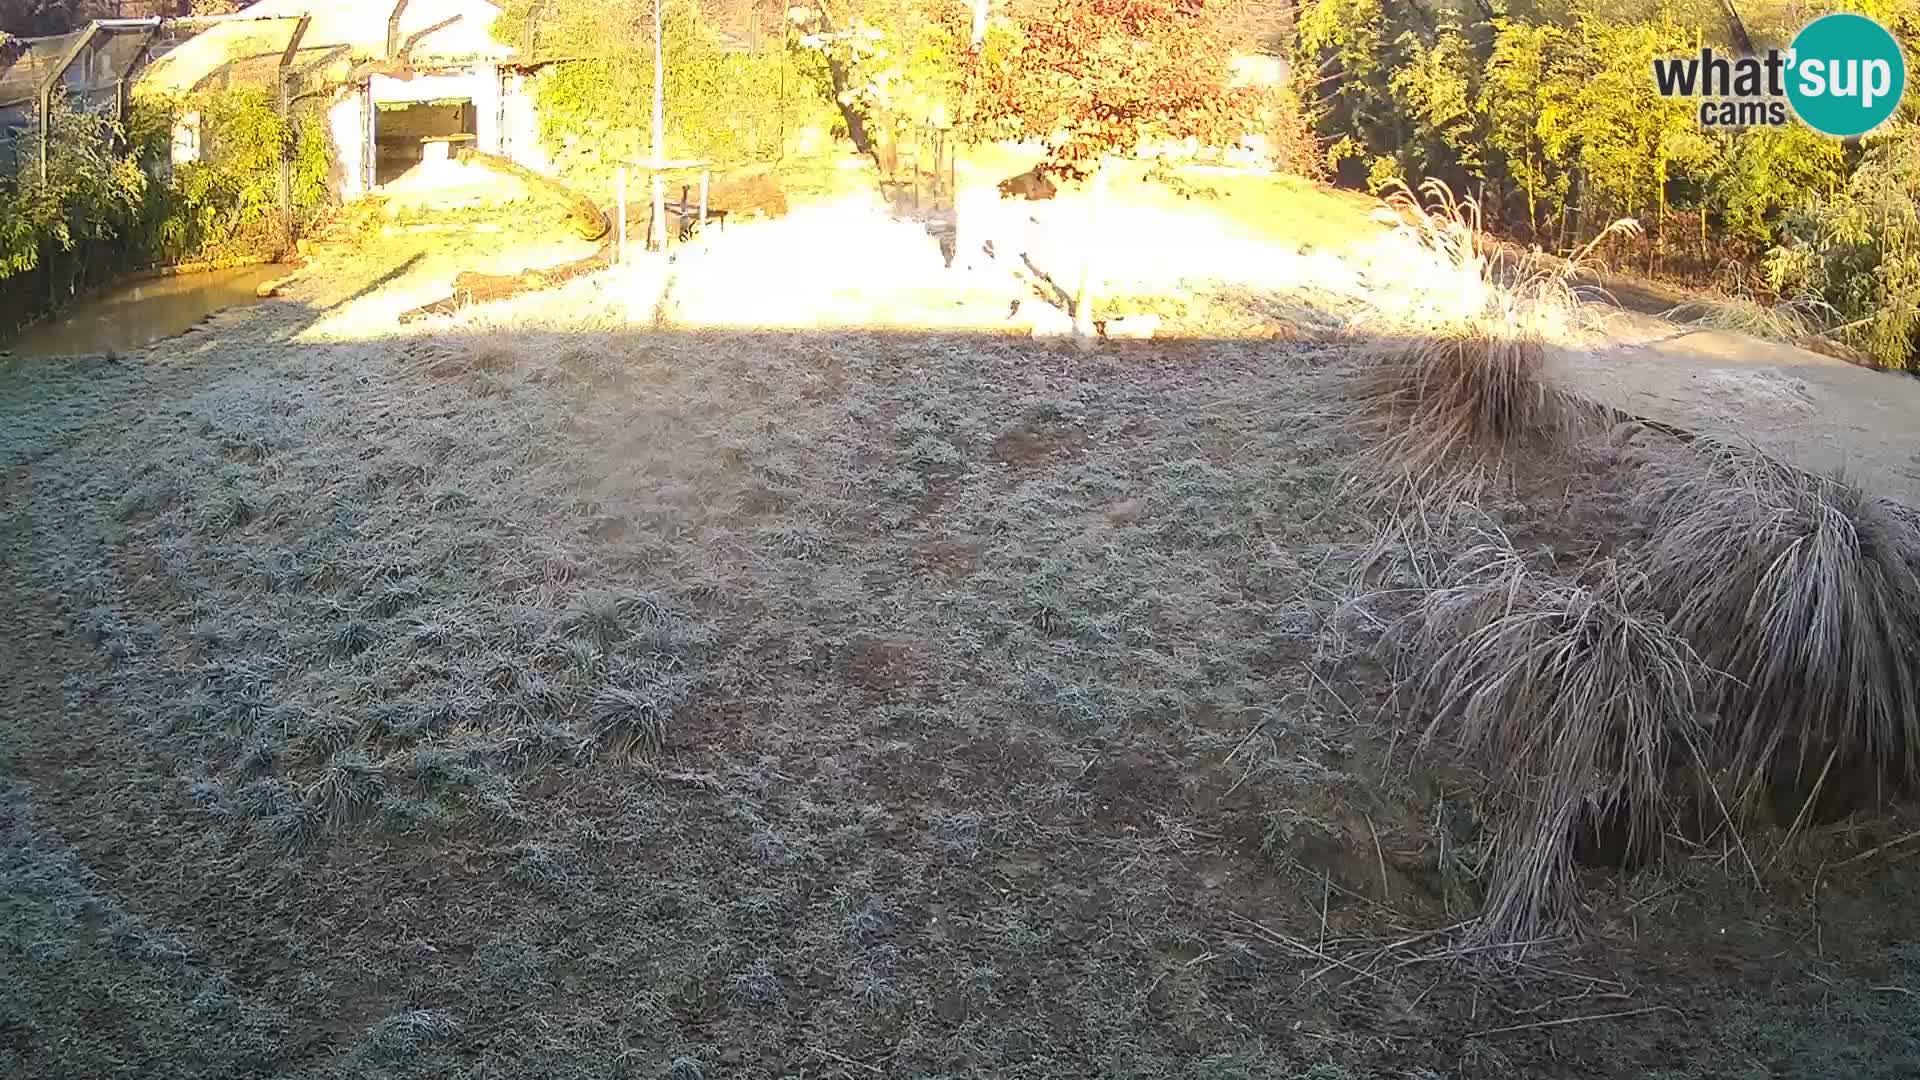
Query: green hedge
[(113, 182)]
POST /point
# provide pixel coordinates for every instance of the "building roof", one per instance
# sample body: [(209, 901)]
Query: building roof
[(431, 33)]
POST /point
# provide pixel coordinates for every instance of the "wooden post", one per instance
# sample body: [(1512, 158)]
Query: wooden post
[(1083, 298), (703, 198), (620, 198), (369, 138), (659, 228), (657, 238), (120, 89), (393, 29)]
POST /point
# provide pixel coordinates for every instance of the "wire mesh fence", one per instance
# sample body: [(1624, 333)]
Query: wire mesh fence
[(91, 176), (245, 125)]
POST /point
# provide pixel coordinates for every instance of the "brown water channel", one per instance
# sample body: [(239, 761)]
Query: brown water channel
[(140, 313)]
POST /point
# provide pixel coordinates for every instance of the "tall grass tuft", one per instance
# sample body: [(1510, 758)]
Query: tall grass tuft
[(636, 719), (1576, 697), (1806, 591), (348, 787), (1457, 378), (1790, 321)]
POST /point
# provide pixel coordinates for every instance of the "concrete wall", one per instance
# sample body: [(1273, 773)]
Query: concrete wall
[(347, 125), (520, 129)]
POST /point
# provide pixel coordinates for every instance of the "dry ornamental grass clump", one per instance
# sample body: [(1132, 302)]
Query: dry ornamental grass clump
[(1789, 320), (1457, 378), (1763, 641), (1805, 590), (1576, 697)]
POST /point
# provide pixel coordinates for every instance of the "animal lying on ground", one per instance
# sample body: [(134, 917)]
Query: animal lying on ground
[(1032, 185)]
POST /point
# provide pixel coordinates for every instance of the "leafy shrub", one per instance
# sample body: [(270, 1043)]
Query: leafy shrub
[(721, 104), (112, 182), (1768, 171), (1555, 119), (92, 191), (1290, 136), (1145, 70), (1857, 250), (229, 201)]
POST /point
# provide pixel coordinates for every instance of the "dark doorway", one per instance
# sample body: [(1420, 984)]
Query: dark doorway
[(405, 135)]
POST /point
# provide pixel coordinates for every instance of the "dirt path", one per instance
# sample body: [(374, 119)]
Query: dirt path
[(1814, 410)]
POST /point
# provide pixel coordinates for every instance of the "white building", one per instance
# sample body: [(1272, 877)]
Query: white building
[(400, 80)]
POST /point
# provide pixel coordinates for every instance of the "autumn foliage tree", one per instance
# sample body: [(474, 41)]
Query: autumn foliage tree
[(1095, 79)]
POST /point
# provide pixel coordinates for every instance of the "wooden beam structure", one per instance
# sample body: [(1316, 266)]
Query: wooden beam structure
[(393, 28), (132, 70)]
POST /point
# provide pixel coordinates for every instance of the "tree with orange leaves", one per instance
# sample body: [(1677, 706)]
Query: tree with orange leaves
[(1093, 79)]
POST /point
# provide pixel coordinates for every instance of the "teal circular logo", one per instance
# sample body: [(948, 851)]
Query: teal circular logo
[(1845, 75)]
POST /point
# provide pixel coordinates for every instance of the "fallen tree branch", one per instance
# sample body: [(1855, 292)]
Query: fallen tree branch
[(474, 288)]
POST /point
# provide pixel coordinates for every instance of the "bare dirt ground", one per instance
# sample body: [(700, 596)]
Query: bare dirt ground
[(531, 693), (1825, 414)]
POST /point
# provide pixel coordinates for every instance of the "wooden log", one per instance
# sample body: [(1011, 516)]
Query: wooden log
[(587, 218), (474, 288), (271, 288)]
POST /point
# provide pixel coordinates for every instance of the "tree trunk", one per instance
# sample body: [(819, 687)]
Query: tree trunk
[(837, 75), (1737, 29), (586, 218), (1083, 298), (471, 287)]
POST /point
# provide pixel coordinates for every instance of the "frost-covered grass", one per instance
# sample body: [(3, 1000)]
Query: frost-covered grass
[(532, 694)]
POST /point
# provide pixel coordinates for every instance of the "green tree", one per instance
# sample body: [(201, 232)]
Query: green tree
[(1346, 53), (1858, 249), (722, 103), (1767, 171), (1435, 86), (92, 191), (1093, 78), (1522, 107), (897, 66), (1624, 138)]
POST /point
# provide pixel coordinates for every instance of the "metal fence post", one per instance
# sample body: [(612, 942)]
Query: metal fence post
[(46, 92), (620, 197), (284, 104)]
